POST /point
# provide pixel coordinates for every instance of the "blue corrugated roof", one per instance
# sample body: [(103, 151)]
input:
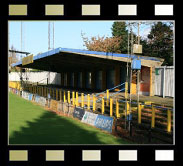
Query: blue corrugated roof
[(70, 50)]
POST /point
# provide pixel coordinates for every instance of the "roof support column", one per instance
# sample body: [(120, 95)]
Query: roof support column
[(93, 79), (117, 76), (83, 79), (104, 79), (68, 79), (75, 79), (62, 78)]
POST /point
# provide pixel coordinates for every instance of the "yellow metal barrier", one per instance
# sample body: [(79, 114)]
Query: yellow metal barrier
[(82, 99), (139, 113), (57, 94), (111, 106), (60, 91), (64, 97), (153, 117), (169, 121), (107, 91), (88, 99), (15, 85), (126, 90), (117, 108), (77, 103), (68, 97), (73, 98), (94, 104), (127, 108), (103, 109)]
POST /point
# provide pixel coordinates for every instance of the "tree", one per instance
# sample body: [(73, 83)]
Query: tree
[(105, 44), (160, 42), (119, 29)]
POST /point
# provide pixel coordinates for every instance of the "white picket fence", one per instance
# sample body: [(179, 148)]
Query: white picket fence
[(165, 81)]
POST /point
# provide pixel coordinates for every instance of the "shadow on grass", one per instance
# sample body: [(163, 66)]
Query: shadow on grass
[(53, 129)]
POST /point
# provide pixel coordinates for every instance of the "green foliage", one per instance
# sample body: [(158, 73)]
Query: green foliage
[(160, 42), (119, 29)]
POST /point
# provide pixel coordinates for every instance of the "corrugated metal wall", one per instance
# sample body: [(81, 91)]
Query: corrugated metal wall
[(164, 81), (55, 78)]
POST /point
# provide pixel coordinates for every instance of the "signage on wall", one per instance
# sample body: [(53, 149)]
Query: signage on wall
[(104, 123), (89, 118), (78, 113)]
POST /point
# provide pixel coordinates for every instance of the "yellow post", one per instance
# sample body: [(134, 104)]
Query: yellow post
[(94, 106), (117, 108), (126, 90), (88, 98), (60, 94), (73, 98), (127, 108), (56, 94), (82, 99), (103, 105), (139, 113), (111, 106), (153, 117), (107, 97), (68, 98), (168, 121), (77, 104), (64, 97)]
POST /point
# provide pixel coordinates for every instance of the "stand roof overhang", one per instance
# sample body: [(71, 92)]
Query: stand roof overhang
[(64, 59)]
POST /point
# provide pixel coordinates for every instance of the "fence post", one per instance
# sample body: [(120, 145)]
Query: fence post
[(68, 97), (139, 113), (117, 108), (64, 97), (73, 98), (82, 100), (153, 117), (126, 90), (60, 94), (168, 121), (127, 108), (77, 104), (111, 106), (88, 98), (107, 91), (94, 103), (103, 105)]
